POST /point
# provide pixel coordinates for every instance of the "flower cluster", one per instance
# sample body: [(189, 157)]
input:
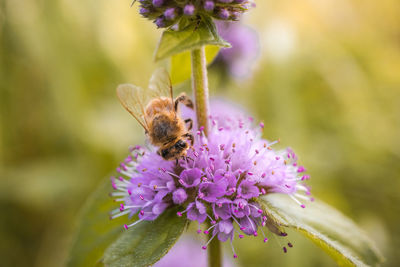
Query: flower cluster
[(219, 181), (166, 13)]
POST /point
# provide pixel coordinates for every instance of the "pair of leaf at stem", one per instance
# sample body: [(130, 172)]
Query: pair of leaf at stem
[(178, 44), (100, 241)]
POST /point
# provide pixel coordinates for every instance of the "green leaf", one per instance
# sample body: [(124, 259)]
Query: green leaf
[(192, 37), (95, 230), (181, 67), (328, 228), (145, 243)]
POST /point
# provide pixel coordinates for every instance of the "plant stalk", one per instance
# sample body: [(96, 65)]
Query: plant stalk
[(200, 92), (214, 253), (200, 86)]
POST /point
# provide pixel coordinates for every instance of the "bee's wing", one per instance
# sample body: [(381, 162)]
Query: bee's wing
[(160, 84), (134, 99)]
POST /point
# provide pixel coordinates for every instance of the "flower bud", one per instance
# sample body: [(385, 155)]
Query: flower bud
[(189, 10), (209, 6), (170, 13), (158, 3)]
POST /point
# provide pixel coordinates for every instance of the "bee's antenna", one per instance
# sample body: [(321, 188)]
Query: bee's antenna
[(133, 2)]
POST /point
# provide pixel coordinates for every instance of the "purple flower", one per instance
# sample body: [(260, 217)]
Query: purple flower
[(218, 182), (224, 230), (248, 225), (159, 208), (209, 5), (174, 10), (223, 14), (190, 178), (160, 22), (210, 192), (188, 10), (240, 208), (248, 189), (222, 208), (157, 3), (179, 196), (170, 13), (196, 211), (144, 11), (240, 58)]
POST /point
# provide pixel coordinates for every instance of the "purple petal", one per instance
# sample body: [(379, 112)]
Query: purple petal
[(188, 10), (170, 13), (209, 6), (248, 190), (179, 196), (222, 209), (159, 208), (211, 191), (158, 3), (223, 13), (240, 208), (248, 225), (190, 178), (196, 212)]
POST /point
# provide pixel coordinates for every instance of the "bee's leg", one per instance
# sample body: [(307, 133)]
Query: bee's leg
[(187, 157), (176, 161), (198, 21), (190, 121), (184, 99), (190, 137)]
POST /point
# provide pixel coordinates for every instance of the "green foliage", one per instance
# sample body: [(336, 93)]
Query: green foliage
[(147, 242), (191, 37), (336, 234), (100, 240), (95, 231), (181, 66)]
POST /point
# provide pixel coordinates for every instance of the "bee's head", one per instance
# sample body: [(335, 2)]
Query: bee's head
[(181, 145), (174, 151)]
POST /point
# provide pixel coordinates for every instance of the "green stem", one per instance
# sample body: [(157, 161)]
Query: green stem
[(200, 86), (214, 253), (200, 92)]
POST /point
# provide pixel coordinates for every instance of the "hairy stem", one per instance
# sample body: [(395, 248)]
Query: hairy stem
[(200, 92), (200, 86), (214, 253)]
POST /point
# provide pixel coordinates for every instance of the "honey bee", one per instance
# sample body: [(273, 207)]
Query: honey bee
[(158, 113)]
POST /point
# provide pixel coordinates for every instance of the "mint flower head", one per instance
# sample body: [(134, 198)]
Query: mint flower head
[(167, 13), (219, 181)]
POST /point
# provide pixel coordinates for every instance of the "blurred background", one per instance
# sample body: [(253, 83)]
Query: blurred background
[(326, 81)]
